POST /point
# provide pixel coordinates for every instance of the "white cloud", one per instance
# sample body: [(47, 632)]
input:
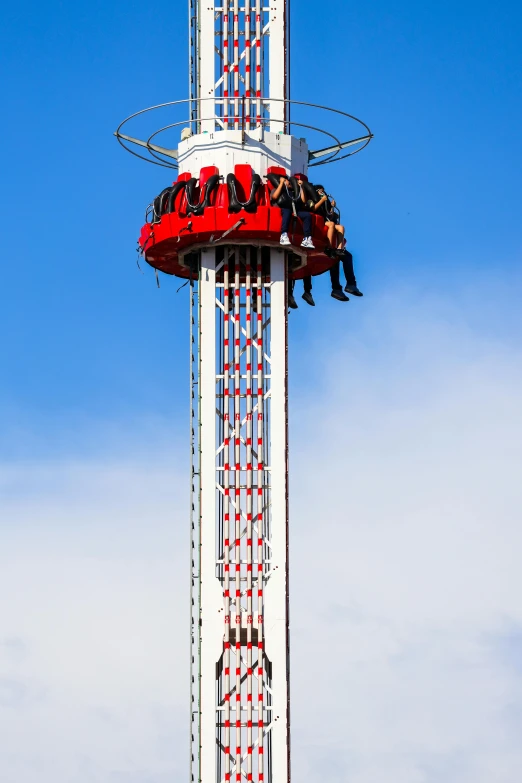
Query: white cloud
[(406, 499), (411, 527)]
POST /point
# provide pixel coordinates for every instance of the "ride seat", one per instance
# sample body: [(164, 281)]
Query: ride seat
[(205, 174), (277, 170), (243, 174), (181, 200)]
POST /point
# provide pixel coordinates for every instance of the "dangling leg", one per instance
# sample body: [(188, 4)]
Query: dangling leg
[(331, 232), (286, 215), (351, 283), (337, 291), (306, 218), (291, 299), (307, 296), (340, 237)]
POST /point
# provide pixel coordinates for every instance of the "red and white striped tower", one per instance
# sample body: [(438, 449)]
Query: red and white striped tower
[(240, 702), (217, 227)]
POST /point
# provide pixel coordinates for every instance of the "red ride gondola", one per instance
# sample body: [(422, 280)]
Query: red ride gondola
[(195, 212)]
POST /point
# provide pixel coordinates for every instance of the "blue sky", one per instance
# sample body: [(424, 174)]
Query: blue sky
[(431, 205), (414, 391)]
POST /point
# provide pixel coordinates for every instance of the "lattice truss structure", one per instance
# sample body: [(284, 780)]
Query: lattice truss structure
[(244, 710), (242, 77)]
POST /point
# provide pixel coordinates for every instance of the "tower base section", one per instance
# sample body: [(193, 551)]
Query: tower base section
[(240, 708)]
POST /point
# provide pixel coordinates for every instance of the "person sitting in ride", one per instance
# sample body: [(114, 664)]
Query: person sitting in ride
[(332, 220), (289, 202)]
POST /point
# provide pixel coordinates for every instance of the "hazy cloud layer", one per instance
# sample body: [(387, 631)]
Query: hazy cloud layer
[(407, 641)]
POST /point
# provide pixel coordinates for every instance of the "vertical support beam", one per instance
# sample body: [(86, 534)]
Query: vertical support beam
[(195, 517), (211, 616), (243, 681), (278, 55), (227, 408), (249, 526), (259, 61), (276, 590), (207, 64), (261, 532), (193, 29), (226, 65), (235, 36), (248, 63), (237, 514)]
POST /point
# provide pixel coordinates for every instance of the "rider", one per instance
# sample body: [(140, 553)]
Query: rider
[(287, 212), (332, 221), (302, 211)]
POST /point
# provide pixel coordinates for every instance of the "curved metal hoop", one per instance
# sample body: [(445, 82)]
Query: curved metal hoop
[(205, 119), (154, 151)]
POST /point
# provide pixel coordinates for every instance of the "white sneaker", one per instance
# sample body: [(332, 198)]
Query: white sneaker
[(284, 240), (307, 243)]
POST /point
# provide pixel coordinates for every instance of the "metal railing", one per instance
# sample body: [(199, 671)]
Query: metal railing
[(194, 121)]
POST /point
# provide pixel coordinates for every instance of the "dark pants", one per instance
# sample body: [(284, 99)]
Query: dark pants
[(306, 218), (307, 281), (347, 260)]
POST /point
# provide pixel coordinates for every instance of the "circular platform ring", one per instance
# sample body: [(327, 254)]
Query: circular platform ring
[(206, 119), (331, 156)]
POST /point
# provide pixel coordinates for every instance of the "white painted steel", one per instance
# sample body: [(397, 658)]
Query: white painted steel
[(227, 508), (259, 148), (259, 61), (222, 73), (237, 502), (194, 533), (243, 717), (249, 510), (248, 64), (236, 63), (226, 66), (261, 674), (211, 608), (276, 590), (240, 628), (278, 85), (207, 66)]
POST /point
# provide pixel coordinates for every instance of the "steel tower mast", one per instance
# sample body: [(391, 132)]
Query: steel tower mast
[(217, 226), (240, 703)]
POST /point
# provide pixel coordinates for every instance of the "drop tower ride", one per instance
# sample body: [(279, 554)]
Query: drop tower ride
[(217, 227)]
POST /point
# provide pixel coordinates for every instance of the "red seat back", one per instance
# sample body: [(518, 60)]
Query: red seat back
[(277, 170), (181, 199), (243, 175), (205, 174)]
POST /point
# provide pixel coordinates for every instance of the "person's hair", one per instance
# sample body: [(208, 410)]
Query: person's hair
[(319, 187)]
